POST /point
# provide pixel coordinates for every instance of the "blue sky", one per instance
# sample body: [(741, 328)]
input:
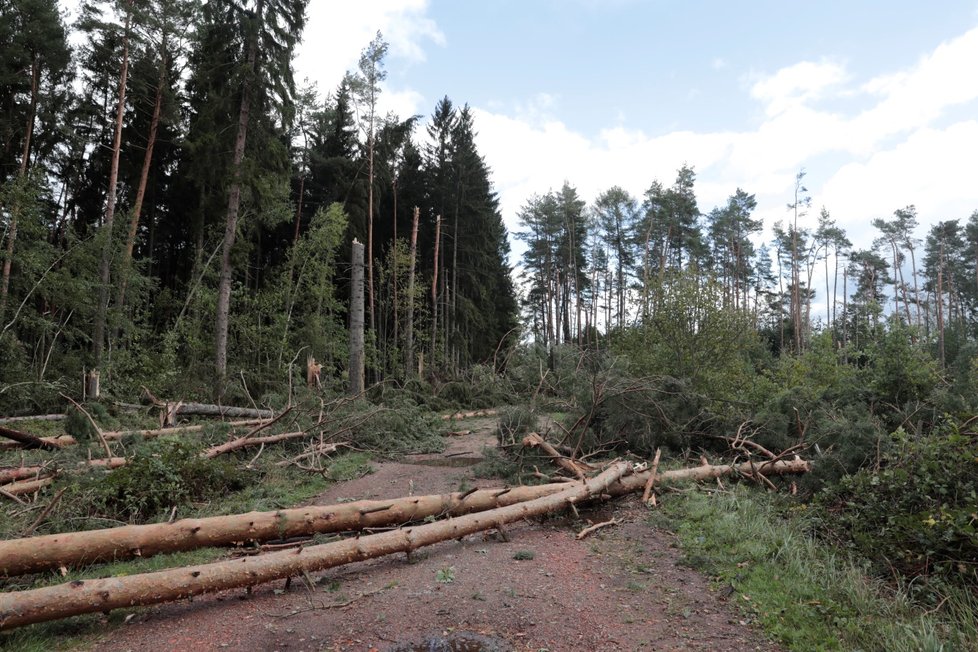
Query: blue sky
[(877, 101)]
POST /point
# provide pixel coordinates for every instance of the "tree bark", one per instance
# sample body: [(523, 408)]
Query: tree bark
[(41, 417), (141, 190), (87, 596), (409, 331), (357, 367), (41, 553), (572, 466), (101, 312), (231, 227), (434, 291)]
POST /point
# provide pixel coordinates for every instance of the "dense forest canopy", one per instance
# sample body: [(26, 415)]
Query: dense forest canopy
[(172, 200)]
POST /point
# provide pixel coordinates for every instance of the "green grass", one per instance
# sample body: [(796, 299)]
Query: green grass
[(803, 594)]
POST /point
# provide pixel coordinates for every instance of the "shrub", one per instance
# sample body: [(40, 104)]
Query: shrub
[(918, 511)]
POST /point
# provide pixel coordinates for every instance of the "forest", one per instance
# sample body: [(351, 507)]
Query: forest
[(178, 214)]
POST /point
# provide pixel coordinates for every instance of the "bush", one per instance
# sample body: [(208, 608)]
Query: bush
[(161, 475), (918, 512)]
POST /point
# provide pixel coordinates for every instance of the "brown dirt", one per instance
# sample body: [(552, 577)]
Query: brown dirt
[(622, 588)]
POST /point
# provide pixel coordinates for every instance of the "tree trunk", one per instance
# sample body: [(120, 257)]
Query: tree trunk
[(357, 367), (87, 596), (940, 306), (231, 225), (434, 290), (141, 191), (409, 331), (101, 312), (572, 466), (36, 554), (22, 174)]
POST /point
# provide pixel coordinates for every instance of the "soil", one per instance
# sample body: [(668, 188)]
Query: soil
[(622, 588)]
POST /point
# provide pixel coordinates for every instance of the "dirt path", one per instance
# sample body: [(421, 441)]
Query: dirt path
[(623, 588)]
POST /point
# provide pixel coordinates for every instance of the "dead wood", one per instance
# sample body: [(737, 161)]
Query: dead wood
[(159, 432), (28, 440), (247, 442), (40, 553), (86, 596), (574, 467), (19, 473), (470, 415), (647, 492), (57, 442), (597, 526), (27, 487)]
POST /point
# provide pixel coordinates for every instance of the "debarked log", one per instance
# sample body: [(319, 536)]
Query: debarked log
[(35, 554), (87, 596)]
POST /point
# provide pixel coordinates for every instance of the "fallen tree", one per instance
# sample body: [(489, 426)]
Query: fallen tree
[(45, 552), (470, 415), (19, 473), (113, 435), (572, 466), (39, 417), (27, 440), (208, 410), (87, 596)]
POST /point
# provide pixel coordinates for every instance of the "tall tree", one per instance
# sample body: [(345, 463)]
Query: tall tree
[(269, 31), (366, 88)]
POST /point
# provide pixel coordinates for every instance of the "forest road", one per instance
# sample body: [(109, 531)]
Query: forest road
[(621, 588)]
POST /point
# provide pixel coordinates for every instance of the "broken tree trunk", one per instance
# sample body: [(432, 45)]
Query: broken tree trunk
[(86, 596), (28, 440), (40, 553), (58, 442), (27, 486), (246, 442), (67, 440), (572, 466)]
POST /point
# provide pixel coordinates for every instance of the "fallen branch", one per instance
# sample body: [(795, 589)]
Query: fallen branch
[(246, 442), (98, 431), (40, 553), (647, 492), (597, 526), (575, 467), (87, 596)]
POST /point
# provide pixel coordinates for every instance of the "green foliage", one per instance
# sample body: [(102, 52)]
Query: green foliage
[(445, 575), (515, 422), (162, 474), (349, 466), (917, 513), (802, 593), (524, 555)]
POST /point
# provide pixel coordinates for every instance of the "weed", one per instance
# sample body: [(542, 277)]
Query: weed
[(524, 555), (445, 575)]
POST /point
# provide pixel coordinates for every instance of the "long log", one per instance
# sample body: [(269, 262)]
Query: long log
[(27, 487), (27, 440), (18, 488), (35, 554), (67, 440), (87, 596), (246, 442), (470, 415), (208, 410)]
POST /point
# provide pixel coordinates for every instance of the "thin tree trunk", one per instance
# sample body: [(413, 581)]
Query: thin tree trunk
[(434, 291), (21, 174), (370, 217), (409, 334), (394, 266), (141, 191), (231, 226), (940, 306), (357, 366), (98, 337)]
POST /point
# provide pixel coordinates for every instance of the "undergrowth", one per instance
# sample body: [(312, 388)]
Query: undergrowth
[(804, 594)]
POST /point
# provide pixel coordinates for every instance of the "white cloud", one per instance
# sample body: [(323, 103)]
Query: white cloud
[(336, 32), (891, 147), (798, 84)]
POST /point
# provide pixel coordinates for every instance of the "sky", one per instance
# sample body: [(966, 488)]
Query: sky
[(877, 101)]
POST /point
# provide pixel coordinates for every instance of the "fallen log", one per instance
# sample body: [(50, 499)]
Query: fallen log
[(100, 595), (470, 415), (35, 554), (246, 442), (534, 440), (19, 473), (27, 440), (40, 417), (113, 435), (207, 410), (56, 442), (27, 487)]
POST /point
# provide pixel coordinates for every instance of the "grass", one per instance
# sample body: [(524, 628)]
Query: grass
[(807, 596)]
